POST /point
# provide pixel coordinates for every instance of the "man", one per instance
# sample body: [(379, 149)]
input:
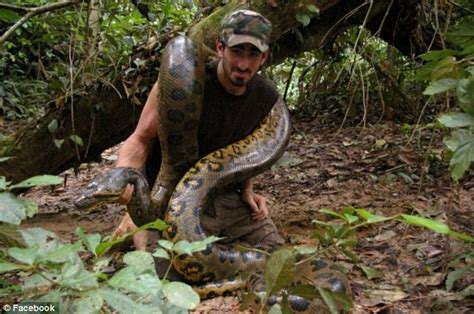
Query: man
[(236, 99)]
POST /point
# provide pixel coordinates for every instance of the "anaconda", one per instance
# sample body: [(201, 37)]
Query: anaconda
[(181, 85)]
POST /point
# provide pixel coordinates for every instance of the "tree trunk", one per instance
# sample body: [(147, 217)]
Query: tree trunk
[(105, 118)]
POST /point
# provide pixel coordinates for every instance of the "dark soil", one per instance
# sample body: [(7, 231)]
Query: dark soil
[(377, 168)]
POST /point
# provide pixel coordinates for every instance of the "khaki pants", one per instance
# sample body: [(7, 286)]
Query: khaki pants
[(230, 217)]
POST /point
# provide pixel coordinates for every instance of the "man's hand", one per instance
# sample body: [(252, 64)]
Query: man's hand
[(258, 204), (140, 239)]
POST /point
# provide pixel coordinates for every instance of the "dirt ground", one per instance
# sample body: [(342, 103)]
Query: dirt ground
[(376, 168)]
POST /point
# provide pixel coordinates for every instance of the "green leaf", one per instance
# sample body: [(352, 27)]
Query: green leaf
[(140, 260), (10, 235), (104, 246), (371, 218), (6, 267), (58, 143), (456, 120), (440, 86), (161, 253), (279, 270), (331, 212), (77, 139), (182, 247), (166, 244), (157, 224), (465, 94), (455, 275), (446, 68), (181, 295), (461, 236), (303, 18), (31, 208), (3, 159), (25, 255), (312, 8), (458, 138), (4, 183), (461, 160), (121, 303), (53, 126), (197, 246), (91, 241), (438, 54), (74, 275), (434, 225), (61, 253), (37, 235), (328, 299), (8, 16), (372, 273), (144, 284), (38, 181), (12, 209), (306, 250)]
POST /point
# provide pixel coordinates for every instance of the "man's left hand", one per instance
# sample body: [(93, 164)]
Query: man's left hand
[(258, 204)]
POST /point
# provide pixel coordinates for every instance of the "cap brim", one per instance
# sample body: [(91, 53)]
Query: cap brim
[(246, 39)]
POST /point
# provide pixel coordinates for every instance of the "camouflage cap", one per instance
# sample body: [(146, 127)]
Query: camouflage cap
[(245, 26)]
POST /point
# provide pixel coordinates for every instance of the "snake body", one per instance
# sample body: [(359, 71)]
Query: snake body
[(181, 82)]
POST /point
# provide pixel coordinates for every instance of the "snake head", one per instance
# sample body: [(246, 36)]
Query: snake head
[(95, 194)]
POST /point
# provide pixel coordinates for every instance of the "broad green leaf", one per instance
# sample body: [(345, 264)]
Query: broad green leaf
[(455, 275), (3, 159), (434, 225), (8, 16), (59, 143), (438, 54), (440, 86), (303, 18), (331, 212), (198, 246), (463, 35), (157, 224), (369, 217), (6, 267), (74, 275), (10, 235), (3, 183), (130, 279), (312, 8), (90, 302), (456, 120), (161, 253), (104, 246), (31, 208), (53, 126), (306, 250), (12, 209), (36, 235), (38, 181), (305, 291), (457, 138), (446, 68), (182, 247), (25, 255), (166, 244), (279, 270), (181, 295), (328, 299), (141, 261), (91, 241), (461, 160), (372, 273), (121, 303), (76, 139), (62, 253), (465, 94)]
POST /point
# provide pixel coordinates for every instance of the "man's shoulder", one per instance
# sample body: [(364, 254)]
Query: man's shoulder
[(263, 82)]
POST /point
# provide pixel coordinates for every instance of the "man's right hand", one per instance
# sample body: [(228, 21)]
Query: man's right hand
[(140, 239)]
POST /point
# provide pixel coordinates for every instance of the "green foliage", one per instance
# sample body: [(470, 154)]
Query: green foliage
[(451, 73)]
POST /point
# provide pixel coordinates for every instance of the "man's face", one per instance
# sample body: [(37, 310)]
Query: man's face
[(240, 62)]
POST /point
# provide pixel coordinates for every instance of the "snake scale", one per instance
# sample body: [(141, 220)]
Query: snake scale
[(186, 184)]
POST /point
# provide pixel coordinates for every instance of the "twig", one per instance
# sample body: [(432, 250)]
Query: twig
[(289, 80), (33, 12)]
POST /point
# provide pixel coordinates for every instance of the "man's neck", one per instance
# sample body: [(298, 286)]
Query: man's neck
[(228, 86)]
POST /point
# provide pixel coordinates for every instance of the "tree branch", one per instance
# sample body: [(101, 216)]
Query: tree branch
[(33, 12)]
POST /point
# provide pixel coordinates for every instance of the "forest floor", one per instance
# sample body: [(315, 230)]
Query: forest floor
[(376, 168)]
